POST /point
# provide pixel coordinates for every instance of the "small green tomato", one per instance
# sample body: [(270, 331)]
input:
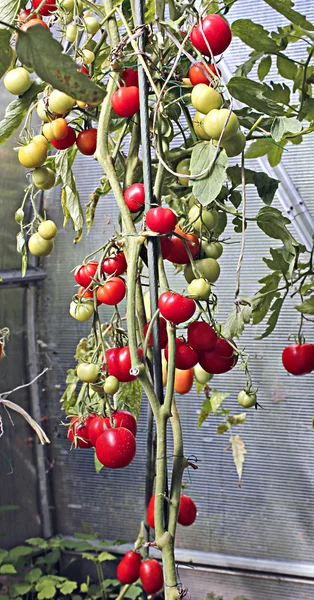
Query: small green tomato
[(44, 178), (203, 219), (17, 81), (111, 385), (88, 372), (201, 375), (71, 33), (47, 230), (247, 399), (212, 249), (38, 246), (92, 25), (88, 56), (199, 289), (81, 311)]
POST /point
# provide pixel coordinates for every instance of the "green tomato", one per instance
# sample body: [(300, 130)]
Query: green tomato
[(82, 311), (203, 219), (38, 246), (234, 145), (44, 178), (68, 18), (208, 268), (88, 56), (184, 167), (92, 25), (212, 249), (204, 98), (247, 399), (201, 375), (67, 5), (111, 385), (17, 81), (199, 289), (47, 230), (88, 372), (33, 154), (60, 103), (71, 33), (98, 388), (214, 123), (41, 111), (198, 126)]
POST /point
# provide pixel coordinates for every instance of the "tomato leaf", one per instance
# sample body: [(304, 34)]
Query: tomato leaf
[(207, 188), (285, 7), (238, 452), (254, 35), (205, 412), (237, 419), (273, 319), (98, 465), (258, 148), (273, 223), (286, 67), (199, 386), (256, 95), (264, 297), (239, 316), (36, 48), (282, 125), (129, 396), (266, 186), (307, 306), (222, 428), (8, 11), (70, 199), (211, 405), (16, 111), (264, 67), (6, 52), (244, 69)]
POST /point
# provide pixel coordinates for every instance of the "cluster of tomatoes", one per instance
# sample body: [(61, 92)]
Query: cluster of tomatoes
[(41, 243), (131, 567)]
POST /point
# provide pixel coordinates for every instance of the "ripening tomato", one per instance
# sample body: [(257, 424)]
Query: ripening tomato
[(163, 333), (220, 359), (187, 511), (214, 123), (183, 380), (178, 253), (198, 73), (217, 33), (112, 292), (161, 220), (201, 336), (56, 130), (122, 418), (298, 359), (49, 7), (85, 273), (86, 294), (25, 14), (126, 101), (151, 576), (175, 307), (201, 375), (33, 22), (128, 570), (116, 448), (186, 357), (204, 98), (33, 154), (17, 81), (67, 141), (199, 289), (119, 363), (78, 432), (129, 77), (81, 311), (115, 264), (134, 197), (86, 141)]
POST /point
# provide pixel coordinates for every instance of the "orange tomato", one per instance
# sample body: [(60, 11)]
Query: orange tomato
[(183, 380)]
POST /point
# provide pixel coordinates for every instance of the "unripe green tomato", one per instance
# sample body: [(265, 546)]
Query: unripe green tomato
[(71, 33), (92, 25), (207, 268), (19, 215), (214, 123), (204, 98), (33, 154), (198, 126), (47, 230), (88, 372), (41, 111), (199, 289), (247, 399), (111, 385), (202, 218), (212, 249), (60, 103), (234, 145), (88, 56), (67, 5), (79, 6), (38, 246), (201, 375), (68, 18), (184, 167), (17, 81), (44, 178), (83, 311)]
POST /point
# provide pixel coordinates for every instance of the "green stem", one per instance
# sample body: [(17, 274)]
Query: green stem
[(303, 94), (123, 591), (132, 159), (171, 369)]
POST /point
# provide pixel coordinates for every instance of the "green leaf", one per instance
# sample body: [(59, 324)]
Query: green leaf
[(68, 587), (266, 186), (279, 92), (254, 94), (244, 69), (20, 589), (238, 452), (129, 396), (264, 67), (281, 260), (205, 412), (207, 188), (275, 153), (16, 111), (70, 199), (98, 465), (8, 508), (254, 35), (273, 319), (239, 316), (282, 125), (286, 67), (36, 48), (199, 386), (237, 419), (6, 51), (84, 588), (19, 551), (308, 109), (222, 428), (39, 542), (133, 592), (8, 11), (34, 575), (264, 297), (235, 198), (211, 405), (7, 569), (273, 223), (3, 554), (105, 556), (46, 590), (307, 306), (259, 148), (92, 557), (285, 7)]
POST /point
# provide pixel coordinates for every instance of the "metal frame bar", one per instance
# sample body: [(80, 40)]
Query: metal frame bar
[(13, 277)]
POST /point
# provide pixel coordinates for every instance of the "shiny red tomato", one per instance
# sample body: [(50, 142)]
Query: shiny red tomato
[(78, 432), (128, 570), (217, 33), (150, 513), (96, 426), (161, 220), (165, 246), (114, 264), (163, 333), (116, 448), (175, 307), (126, 101), (201, 336), (86, 294), (298, 359), (83, 69), (197, 74), (85, 273), (186, 357), (134, 197), (86, 141), (219, 360), (119, 363), (33, 22), (67, 141), (49, 7), (178, 253), (151, 576), (129, 77), (122, 418), (112, 292), (187, 511)]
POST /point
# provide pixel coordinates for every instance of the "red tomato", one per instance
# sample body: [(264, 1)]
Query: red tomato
[(219, 360), (86, 294), (1, 350), (134, 197), (96, 427), (150, 513), (217, 33), (122, 418), (187, 511), (85, 273), (161, 220), (183, 380), (176, 308), (67, 141), (201, 336), (49, 7), (128, 570), (151, 576), (178, 253), (163, 333), (119, 363), (197, 74), (86, 141), (129, 77), (114, 264), (78, 432), (112, 292), (83, 69), (165, 246), (126, 101), (186, 357), (33, 22), (116, 448), (298, 359), (25, 14)]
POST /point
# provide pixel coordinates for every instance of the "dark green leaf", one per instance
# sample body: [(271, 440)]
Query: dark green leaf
[(205, 412), (272, 321), (258, 148), (286, 67), (244, 69), (3, 554), (8, 11), (273, 223), (207, 188), (266, 186), (254, 35), (254, 94), (279, 93), (38, 49), (264, 67), (308, 109), (70, 199), (222, 428), (264, 297), (285, 7), (6, 51), (281, 260), (307, 306), (34, 575), (19, 551), (20, 589), (16, 111), (129, 396), (133, 592), (97, 463), (275, 153), (235, 198)]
